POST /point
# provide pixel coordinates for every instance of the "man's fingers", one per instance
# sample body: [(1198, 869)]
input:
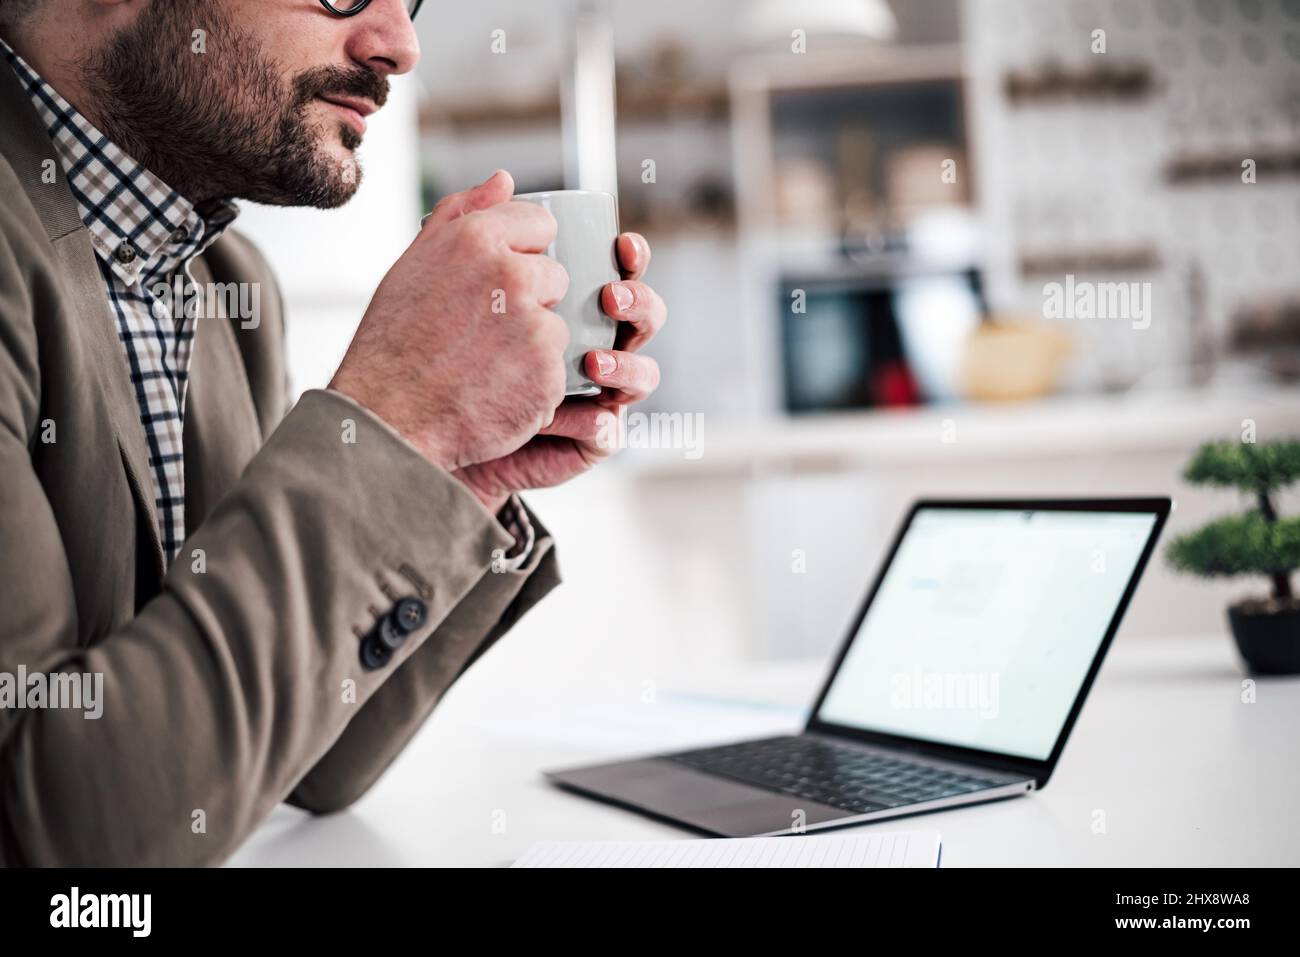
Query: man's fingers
[(552, 280), (636, 305), (597, 429), (529, 228), (633, 255), (497, 188), (584, 420), (633, 375)]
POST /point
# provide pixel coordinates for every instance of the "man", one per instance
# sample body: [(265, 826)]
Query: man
[(272, 601)]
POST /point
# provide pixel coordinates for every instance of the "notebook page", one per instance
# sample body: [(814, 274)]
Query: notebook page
[(892, 849)]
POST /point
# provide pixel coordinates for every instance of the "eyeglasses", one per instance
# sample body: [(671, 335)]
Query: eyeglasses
[(350, 8)]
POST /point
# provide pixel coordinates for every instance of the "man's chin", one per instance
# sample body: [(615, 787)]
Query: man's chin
[(327, 183), (338, 191), (336, 172)]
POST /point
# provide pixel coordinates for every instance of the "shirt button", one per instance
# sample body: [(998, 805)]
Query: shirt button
[(180, 235), (125, 253)]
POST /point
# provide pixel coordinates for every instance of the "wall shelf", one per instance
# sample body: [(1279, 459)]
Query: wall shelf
[(644, 104), (1210, 167)]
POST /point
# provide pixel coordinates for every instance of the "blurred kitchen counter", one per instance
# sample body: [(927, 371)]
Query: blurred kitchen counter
[(1142, 421), (773, 532)]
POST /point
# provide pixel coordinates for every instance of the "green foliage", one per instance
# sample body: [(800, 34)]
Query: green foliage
[(1258, 542), (1239, 545), (1251, 467)]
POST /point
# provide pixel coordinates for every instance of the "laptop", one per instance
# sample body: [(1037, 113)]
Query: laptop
[(958, 683)]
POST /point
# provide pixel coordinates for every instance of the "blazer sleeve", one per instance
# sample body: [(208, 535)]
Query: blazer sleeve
[(384, 725), (227, 688)]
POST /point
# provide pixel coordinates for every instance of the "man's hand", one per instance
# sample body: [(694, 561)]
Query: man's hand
[(433, 360), (587, 430)]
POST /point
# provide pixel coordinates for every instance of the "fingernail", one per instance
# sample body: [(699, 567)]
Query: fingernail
[(605, 363), (623, 296)]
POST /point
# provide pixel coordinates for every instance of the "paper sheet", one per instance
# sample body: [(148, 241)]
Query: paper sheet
[(877, 849)]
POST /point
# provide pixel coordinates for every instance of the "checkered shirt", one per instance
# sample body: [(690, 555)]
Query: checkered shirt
[(145, 236)]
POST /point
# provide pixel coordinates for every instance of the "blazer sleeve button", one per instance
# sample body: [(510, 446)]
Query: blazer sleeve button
[(389, 633), (374, 654), (409, 615)]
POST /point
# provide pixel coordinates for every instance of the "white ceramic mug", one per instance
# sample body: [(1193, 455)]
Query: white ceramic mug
[(584, 245)]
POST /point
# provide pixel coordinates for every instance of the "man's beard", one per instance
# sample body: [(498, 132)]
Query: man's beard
[(222, 123)]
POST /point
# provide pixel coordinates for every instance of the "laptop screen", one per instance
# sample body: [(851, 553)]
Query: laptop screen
[(985, 625)]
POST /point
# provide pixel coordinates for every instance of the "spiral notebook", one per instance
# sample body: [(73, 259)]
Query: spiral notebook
[(892, 849)]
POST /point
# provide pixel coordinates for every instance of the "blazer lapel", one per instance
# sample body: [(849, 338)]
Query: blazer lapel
[(222, 432), (85, 285), (27, 146)]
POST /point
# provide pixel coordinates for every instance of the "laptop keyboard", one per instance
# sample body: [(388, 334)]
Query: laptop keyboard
[(843, 777)]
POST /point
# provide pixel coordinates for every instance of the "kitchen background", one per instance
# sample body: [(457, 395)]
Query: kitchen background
[(854, 209)]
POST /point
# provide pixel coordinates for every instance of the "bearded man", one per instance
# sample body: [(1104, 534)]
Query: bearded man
[(274, 598)]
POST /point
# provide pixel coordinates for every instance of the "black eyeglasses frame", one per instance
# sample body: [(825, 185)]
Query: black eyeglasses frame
[(361, 5)]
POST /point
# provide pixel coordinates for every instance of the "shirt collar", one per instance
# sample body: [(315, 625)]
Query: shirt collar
[(139, 226)]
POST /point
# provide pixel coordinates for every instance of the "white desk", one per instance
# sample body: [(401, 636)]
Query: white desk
[(1184, 771)]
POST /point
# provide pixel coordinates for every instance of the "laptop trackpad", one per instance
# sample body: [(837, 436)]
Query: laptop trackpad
[(665, 785), (703, 800)]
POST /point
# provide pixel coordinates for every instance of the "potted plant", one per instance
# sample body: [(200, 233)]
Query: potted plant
[(1258, 542)]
